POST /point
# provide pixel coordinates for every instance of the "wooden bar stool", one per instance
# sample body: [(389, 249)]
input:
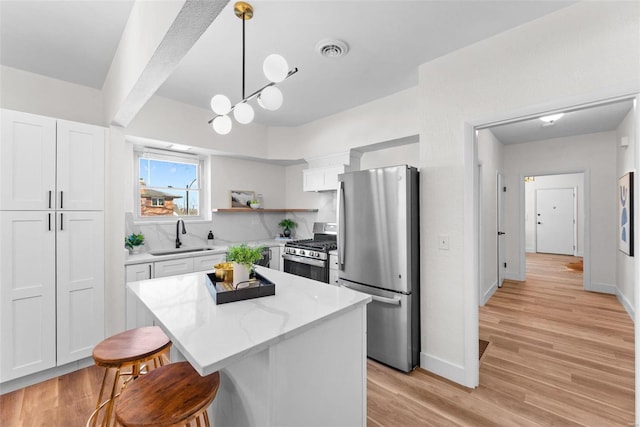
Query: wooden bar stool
[(171, 396), (133, 350)]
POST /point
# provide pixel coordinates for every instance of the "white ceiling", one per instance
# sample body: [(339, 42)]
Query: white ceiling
[(601, 118), (76, 40)]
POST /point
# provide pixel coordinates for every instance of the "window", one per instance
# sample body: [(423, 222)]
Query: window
[(168, 185)]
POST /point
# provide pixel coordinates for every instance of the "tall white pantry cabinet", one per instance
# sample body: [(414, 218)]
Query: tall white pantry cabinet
[(52, 242)]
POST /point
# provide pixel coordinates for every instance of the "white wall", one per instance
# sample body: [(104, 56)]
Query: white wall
[(575, 180), (408, 154), (626, 163), (593, 154), (386, 119), (36, 94), (581, 51), (491, 159)]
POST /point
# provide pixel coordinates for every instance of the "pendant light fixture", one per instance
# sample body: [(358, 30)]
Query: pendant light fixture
[(269, 97)]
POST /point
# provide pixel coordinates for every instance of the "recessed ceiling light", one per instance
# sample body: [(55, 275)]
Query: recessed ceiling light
[(332, 48), (552, 118)]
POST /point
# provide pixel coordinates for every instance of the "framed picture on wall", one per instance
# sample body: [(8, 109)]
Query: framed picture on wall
[(241, 198), (625, 214)]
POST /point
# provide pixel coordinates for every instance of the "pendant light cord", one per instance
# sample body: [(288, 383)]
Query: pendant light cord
[(243, 20)]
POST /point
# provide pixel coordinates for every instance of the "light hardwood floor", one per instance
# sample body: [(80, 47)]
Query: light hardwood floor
[(558, 355)]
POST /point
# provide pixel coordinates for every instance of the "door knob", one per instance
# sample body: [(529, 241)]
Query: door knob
[(539, 222), (501, 233)]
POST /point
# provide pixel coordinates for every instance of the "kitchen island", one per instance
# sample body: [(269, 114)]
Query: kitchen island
[(295, 358)]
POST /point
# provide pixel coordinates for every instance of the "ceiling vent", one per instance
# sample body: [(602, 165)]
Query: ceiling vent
[(332, 48)]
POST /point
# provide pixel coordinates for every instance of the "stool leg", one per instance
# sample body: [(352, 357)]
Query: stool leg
[(113, 394)]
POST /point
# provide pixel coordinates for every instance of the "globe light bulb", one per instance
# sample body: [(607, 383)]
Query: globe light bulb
[(275, 68), (243, 113), (270, 98), (222, 124), (220, 105)]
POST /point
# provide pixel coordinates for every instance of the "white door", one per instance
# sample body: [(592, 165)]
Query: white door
[(80, 166), (555, 221), (27, 293), (80, 284), (502, 260), (27, 161)]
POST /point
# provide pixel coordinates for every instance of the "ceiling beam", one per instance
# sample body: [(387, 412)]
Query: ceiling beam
[(157, 36)]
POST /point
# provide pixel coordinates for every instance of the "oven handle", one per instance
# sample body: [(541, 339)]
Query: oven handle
[(303, 260)]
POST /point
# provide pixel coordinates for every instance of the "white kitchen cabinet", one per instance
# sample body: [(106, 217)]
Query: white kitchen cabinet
[(333, 269), (27, 293), (173, 267), (275, 260), (80, 284), (321, 179), (50, 164), (137, 272), (52, 246), (202, 263), (80, 166), (51, 289)]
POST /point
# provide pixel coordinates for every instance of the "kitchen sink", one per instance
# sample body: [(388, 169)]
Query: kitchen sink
[(179, 251)]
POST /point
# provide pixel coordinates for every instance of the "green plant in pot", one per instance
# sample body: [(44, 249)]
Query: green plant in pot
[(287, 225), (243, 257), (134, 241)]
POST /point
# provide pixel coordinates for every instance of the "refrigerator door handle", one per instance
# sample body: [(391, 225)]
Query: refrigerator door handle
[(341, 225), (390, 301)]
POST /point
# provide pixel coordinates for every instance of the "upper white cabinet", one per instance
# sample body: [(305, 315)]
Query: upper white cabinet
[(27, 161), (321, 179), (50, 164), (80, 166)]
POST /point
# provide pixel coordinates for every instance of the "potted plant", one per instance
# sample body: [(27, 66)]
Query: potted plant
[(287, 224), (254, 204), (243, 257), (133, 242)]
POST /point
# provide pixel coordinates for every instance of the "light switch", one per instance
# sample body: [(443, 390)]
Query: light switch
[(443, 242)]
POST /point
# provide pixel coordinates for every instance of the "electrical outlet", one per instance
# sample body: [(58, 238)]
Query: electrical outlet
[(443, 242)]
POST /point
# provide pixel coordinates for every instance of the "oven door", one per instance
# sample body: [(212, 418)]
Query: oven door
[(306, 267)]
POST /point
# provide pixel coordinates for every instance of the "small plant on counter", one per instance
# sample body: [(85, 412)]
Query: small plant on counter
[(287, 224), (244, 255), (134, 240)]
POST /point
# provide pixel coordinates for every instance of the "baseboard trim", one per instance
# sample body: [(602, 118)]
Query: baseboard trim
[(443, 368), (626, 304), (22, 382), (489, 293), (603, 288)]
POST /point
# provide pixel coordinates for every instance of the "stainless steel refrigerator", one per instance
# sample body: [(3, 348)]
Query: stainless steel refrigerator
[(378, 253)]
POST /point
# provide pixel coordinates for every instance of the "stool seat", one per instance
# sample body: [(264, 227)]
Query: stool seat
[(125, 357), (130, 346), (171, 395)]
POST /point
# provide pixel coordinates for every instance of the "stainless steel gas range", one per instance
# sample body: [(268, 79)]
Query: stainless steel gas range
[(310, 258)]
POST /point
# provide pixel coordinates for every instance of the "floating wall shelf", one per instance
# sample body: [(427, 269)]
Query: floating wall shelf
[(238, 210)]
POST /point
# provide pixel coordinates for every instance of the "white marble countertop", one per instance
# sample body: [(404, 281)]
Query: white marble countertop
[(213, 336), (217, 248)]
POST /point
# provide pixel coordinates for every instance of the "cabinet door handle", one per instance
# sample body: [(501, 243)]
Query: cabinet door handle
[(149, 271), (49, 199), (49, 217), (61, 198), (61, 222)]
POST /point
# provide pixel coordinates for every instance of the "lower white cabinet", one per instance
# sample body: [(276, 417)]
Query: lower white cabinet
[(51, 289), (333, 269), (276, 261), (207, 262), (173, 267), (137, 272)]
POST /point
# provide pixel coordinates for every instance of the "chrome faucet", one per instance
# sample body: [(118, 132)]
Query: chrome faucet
[(184, 231)]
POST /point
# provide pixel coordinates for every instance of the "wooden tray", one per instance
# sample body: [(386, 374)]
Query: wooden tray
[(223, 292)]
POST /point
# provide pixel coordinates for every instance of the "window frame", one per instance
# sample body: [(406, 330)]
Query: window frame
[(200, 161)]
